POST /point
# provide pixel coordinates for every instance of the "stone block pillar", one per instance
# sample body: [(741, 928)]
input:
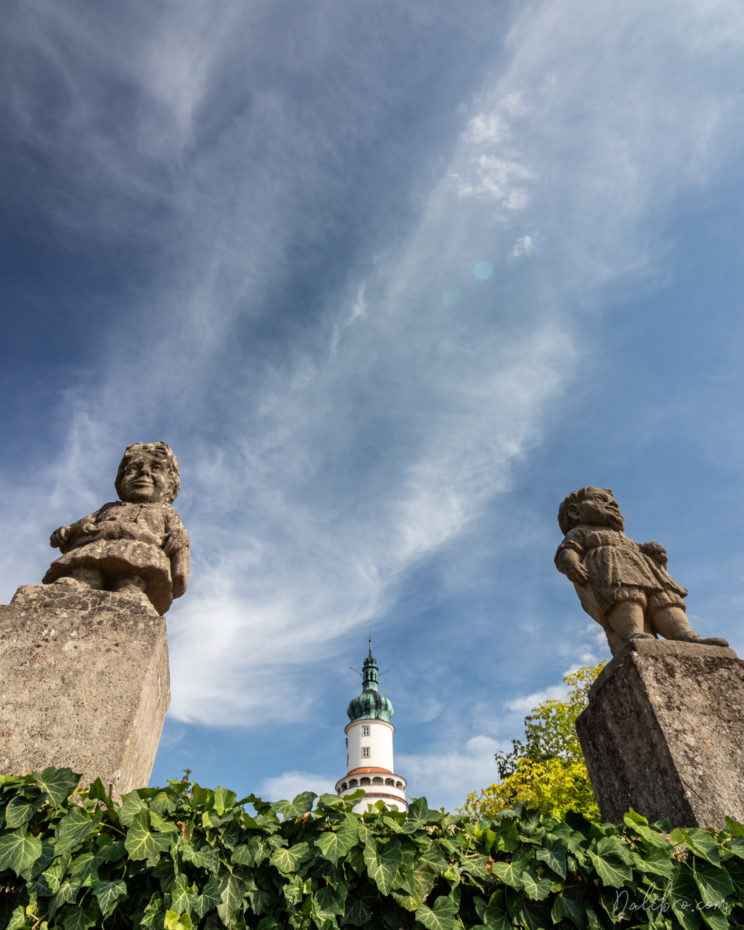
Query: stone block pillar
[(663, 733), (84, 683)]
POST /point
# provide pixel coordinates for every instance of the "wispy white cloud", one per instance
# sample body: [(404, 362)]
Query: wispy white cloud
[(451, 770), (525, 704), (288, 785), (525, 245), (358, 310)]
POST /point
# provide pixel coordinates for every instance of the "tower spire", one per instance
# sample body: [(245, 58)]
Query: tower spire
[(369, 746)]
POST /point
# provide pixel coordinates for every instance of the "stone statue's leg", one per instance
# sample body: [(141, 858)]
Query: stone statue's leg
[(672, 623), (592, 606), (614, 641), (624, 621), (130, 583), (89, 577)]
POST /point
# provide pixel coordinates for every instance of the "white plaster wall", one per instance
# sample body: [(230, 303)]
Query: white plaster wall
[(371, 799), (380, 742)]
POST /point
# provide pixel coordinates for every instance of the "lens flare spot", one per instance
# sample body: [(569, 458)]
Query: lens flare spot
[(451, 299), (483, 271)]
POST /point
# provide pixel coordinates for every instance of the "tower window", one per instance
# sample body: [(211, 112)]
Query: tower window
[(365, 752), (365, 730)]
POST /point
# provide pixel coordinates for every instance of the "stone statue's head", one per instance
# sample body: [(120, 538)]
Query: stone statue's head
[(590, 507), (148, 473)]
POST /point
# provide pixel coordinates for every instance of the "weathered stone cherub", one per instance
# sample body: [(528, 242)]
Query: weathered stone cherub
[(137, 543), (622, 584)]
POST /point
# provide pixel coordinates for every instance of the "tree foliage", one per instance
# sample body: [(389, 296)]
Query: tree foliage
[(546, 768), (186, 857)]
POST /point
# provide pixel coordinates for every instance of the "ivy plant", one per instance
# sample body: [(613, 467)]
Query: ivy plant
[(185, 857)]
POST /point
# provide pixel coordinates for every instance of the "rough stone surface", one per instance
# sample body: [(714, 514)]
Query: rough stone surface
[(622, 584), (663, 733), (85, 683), (137, 543)]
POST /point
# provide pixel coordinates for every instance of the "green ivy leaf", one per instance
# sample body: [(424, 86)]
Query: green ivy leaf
[(357, 913), (330, 901), (443, 916), (224, 800), (66, 893), (554, 856), (97, 792), (110, 852), (251, 853), (22, 808), (572, 839), (143, 843), (715, 919), (159, 823), (332, 845), (568, 906), (181, 896), (18, 915), (660, 863), (107, 894), (47, 883), (638, 824), (417, 882), (287, 859), (509, 873), (206, 857), (209, 899), (419, 809), (303, 803), (266, 923), (174, 921), (19, 851), (77, 918), (292, 891), (493, 913), (332, 802), (508, 836), (704, 844), (231, 898), (612, 846), (74, 827), (433, 857), (382, 864), (714, 883), (683, 896), (131, 805), (536, 889), (83, 867), (262, 902), (612, 871), (57, 784)]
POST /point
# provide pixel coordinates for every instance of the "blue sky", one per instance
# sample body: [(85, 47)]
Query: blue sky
[(391, 280)]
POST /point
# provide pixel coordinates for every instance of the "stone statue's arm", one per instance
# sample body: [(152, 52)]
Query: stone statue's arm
[(68, 537), (656, 552), (176, 547), (568, 559)]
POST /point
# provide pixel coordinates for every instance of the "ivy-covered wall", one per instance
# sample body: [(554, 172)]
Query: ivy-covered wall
[(184, 857)]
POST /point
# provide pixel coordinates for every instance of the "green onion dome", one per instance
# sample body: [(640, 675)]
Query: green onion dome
[(370, 704)]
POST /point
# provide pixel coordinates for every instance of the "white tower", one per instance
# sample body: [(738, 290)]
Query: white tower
[(369, 747)]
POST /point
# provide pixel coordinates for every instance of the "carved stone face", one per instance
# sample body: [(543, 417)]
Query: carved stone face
[(598, 508), (145, 479)]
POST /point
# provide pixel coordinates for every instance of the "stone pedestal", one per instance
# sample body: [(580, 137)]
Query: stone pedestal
[(84, 683), (664, 734)]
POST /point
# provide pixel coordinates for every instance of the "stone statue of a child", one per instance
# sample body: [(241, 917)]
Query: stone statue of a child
[(137, 543), (622, 584)]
